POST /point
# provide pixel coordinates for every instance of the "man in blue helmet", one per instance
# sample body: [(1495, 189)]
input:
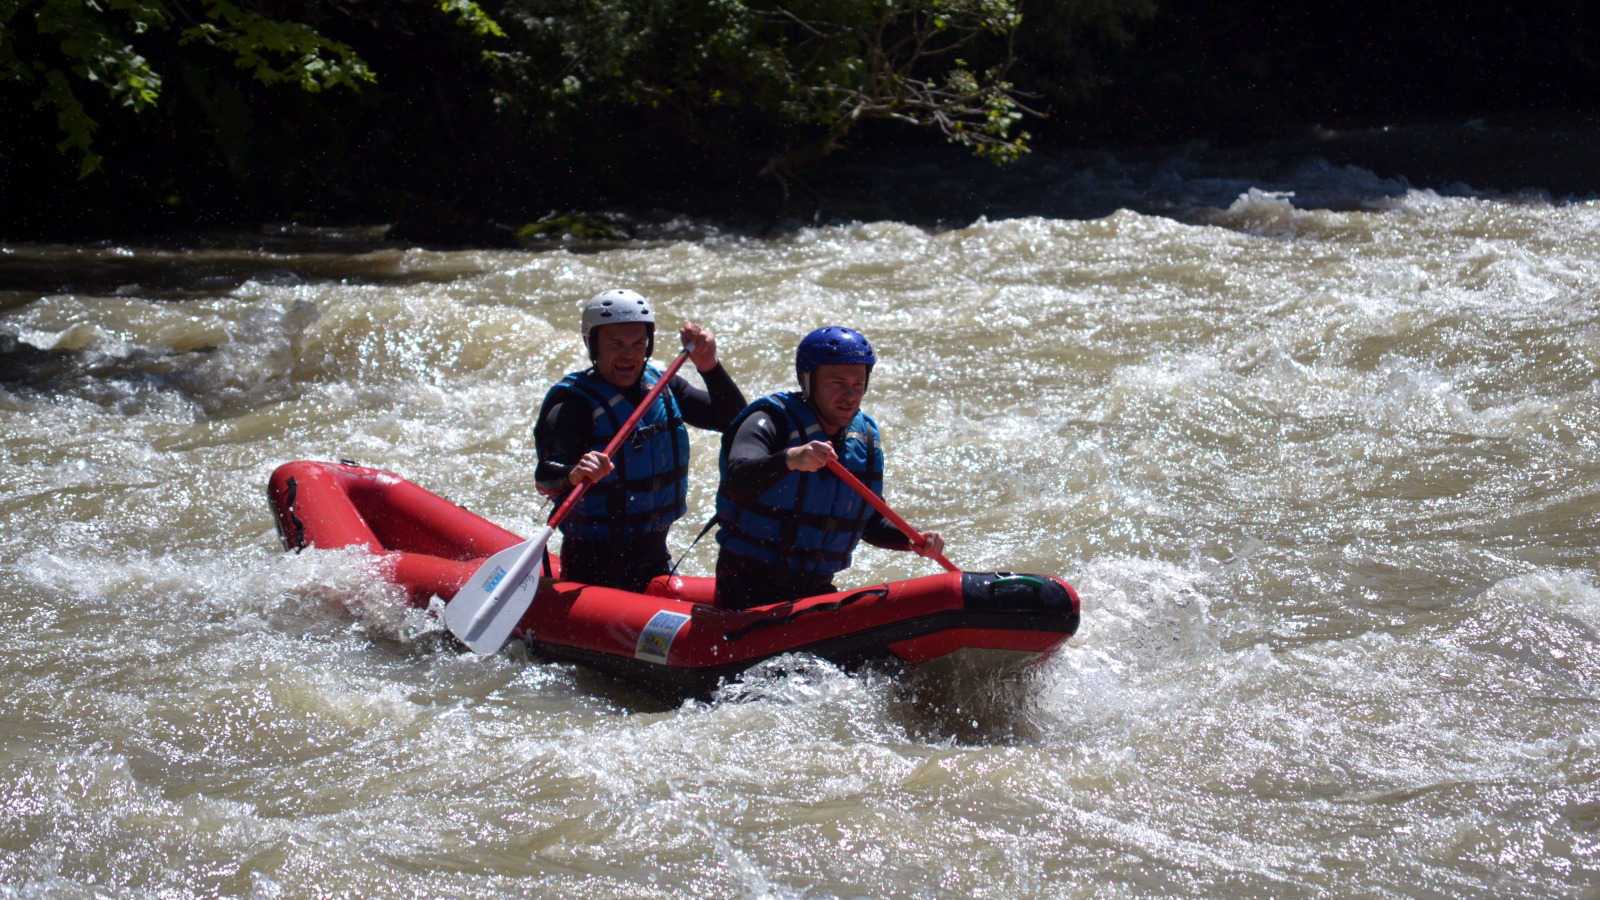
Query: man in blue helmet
[(617, 534), (786, 524)]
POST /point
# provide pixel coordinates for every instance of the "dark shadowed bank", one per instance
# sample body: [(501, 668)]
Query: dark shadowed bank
[(1498, 97)]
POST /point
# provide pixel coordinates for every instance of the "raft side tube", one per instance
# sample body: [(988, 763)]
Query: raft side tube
[(431, 546), (916, 620), (916, 640), (313, 509)]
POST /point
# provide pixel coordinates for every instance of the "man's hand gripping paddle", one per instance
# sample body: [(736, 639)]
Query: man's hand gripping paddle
[(492, 602), (878, 504)]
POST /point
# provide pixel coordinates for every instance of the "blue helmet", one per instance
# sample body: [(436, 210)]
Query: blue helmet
[(831, 346)]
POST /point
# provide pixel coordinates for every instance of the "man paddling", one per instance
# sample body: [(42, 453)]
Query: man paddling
[(786, 525), (617, 534)]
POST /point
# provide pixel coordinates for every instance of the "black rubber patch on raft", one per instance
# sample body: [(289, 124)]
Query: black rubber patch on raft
[(984, 591), (293, 489)]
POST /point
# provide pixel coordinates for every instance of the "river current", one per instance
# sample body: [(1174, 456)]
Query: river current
[(1323, 468)]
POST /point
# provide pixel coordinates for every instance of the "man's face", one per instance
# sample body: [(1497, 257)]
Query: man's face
[(619, 353), (836, 393)]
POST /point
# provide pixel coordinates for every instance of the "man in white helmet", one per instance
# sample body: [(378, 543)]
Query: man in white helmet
[(617, 534)]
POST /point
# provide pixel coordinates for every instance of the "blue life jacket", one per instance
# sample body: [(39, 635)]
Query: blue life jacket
[(649, 487), (810, 522)]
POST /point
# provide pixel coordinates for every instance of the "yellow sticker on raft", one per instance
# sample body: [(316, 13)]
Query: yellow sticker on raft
[(659, 633)]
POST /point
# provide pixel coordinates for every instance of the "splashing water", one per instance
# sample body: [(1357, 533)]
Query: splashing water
[(1326, 481)]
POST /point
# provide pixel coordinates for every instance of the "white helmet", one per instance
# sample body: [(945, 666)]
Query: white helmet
[(615, 307)]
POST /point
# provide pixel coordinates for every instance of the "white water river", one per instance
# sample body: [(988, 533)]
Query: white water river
[(1327, 482)]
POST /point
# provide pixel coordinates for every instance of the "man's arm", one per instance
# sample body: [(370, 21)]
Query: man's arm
[(715, 407), (757, 458), (561, 436), (880, 532)]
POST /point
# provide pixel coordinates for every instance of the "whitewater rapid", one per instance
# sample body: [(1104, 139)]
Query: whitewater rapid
[(1319, 456)]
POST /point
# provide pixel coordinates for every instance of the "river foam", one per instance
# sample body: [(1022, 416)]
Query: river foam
[(1317, 450)]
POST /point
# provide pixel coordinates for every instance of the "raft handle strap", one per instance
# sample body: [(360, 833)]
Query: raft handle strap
[(292, 489), (1007, 579), (841, 603), (709, 523)]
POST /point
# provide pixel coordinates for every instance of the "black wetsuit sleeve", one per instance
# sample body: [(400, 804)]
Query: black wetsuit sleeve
[(562, 435), (713, 408), (880, 532), (757, 458)]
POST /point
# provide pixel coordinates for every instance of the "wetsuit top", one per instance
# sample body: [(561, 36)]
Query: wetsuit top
[(576, 418), (772, 517)]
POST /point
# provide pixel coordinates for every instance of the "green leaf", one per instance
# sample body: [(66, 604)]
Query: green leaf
[(472, 15), (93, 37), (279, 51)]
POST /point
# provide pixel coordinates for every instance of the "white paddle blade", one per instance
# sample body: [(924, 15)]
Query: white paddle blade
[(491, 603)]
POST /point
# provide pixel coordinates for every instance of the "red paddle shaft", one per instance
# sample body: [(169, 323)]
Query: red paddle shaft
[(891, 515), (622, 434)]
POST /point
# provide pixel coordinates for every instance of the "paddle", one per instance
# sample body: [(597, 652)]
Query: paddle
[(492, 602), (891, 515)]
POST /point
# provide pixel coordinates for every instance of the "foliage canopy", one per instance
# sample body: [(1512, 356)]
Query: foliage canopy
[(813, 69), (94, 40), (808, 70)]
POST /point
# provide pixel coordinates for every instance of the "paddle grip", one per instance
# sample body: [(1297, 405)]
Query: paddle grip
[(622, 434), (891, 515)]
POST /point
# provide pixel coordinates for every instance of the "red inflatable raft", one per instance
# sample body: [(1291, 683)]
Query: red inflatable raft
[(670, 639)]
